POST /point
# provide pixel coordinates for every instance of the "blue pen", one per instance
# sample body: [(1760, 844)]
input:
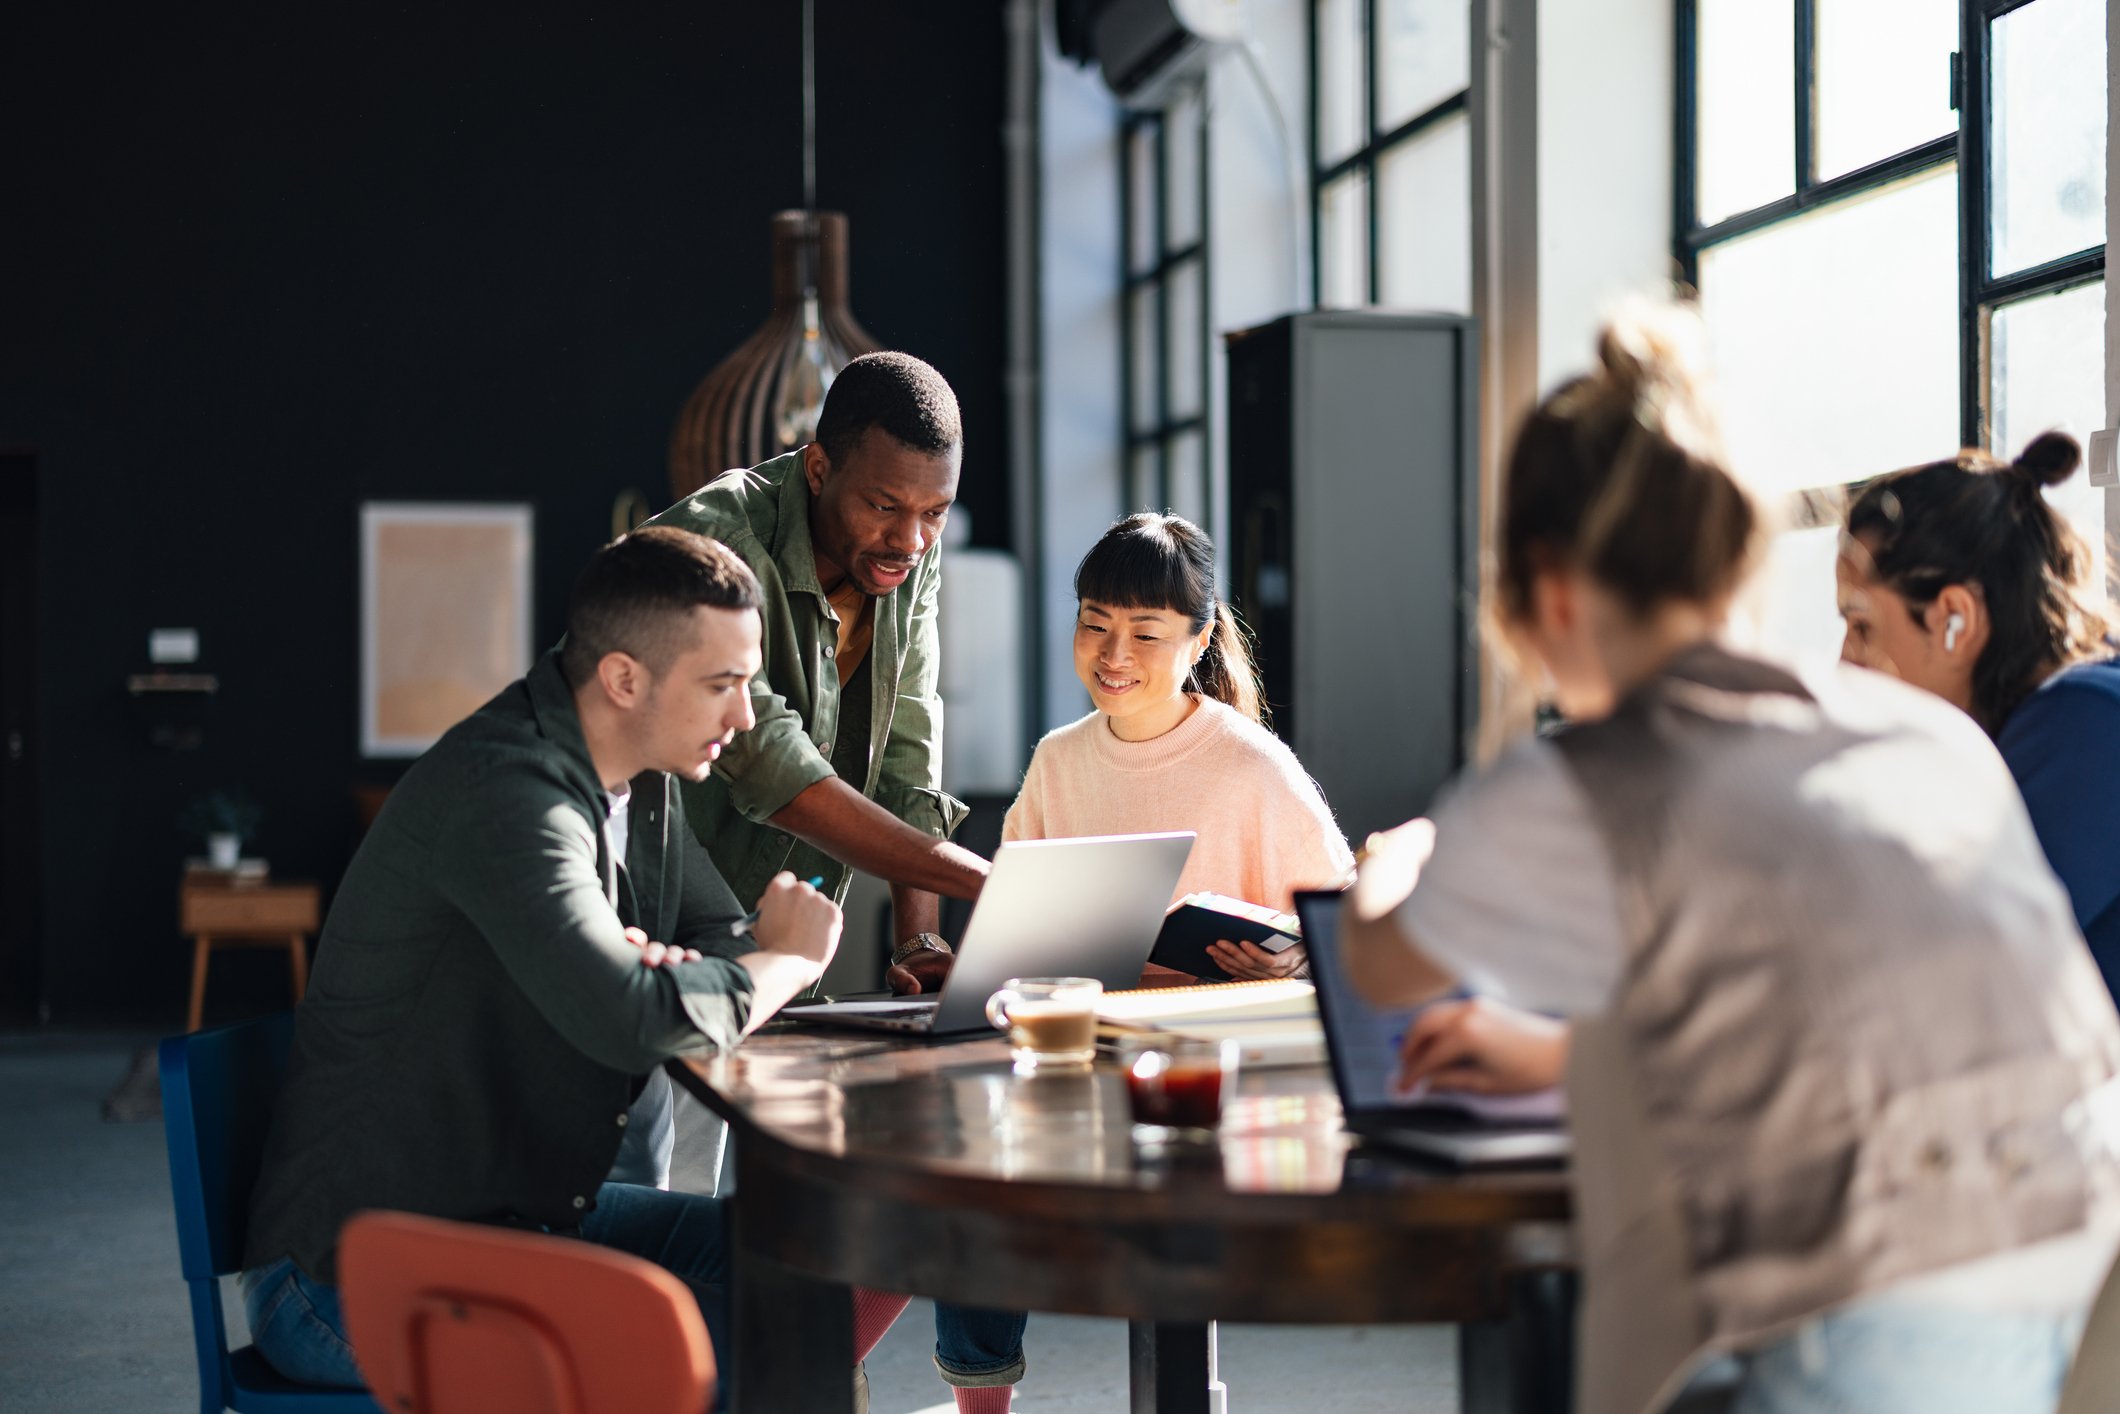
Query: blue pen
[(741, 928)]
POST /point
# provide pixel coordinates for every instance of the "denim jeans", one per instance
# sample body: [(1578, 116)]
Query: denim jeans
[(298, 1326), (976, 1348), (1889, 1355), (973, 1348)]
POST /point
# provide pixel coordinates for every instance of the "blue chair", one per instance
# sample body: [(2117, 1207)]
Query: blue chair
[(217, 1093)]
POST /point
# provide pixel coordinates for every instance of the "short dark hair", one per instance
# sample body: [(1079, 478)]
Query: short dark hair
[(1973, 519), (893, 391), (637, 590)]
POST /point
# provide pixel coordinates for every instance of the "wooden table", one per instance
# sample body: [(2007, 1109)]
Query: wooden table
[(934, 1170), (215, 913)]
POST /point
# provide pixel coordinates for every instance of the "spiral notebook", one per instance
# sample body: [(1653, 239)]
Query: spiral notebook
[(1274, 1023)]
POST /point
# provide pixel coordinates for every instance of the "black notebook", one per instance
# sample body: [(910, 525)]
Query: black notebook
[(1199, 919)]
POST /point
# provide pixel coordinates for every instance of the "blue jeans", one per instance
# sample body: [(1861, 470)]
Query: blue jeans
[(297, 1325), (975, 1348), (1888, 1355)]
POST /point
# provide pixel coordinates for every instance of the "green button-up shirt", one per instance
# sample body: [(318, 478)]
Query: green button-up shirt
[(477, 1026), (763, 514)]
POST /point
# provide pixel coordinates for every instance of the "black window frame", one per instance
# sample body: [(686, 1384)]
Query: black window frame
[(1366, 157), (1151, 282), (1980, 291)]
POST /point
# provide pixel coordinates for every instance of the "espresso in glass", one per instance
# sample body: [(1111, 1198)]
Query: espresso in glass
[(1175, 1087), (1051, 1021)]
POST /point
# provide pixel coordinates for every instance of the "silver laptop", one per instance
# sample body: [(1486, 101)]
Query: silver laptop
[(1087, 907), (1363, 1042)]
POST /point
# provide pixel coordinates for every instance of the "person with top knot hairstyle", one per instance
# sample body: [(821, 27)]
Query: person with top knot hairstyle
[(1840, 1073), (1960, 577), (1957, 576)]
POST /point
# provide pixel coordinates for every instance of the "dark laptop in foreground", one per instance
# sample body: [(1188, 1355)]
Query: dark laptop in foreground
[(1087, 907), (1362, 1041)]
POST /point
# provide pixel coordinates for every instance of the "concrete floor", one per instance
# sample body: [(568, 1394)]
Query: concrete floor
[(93, 1316)]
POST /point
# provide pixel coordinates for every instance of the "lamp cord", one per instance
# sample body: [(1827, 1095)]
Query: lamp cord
[(809, 106)]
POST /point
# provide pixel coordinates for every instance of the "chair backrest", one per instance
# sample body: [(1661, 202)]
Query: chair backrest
[(453, 1318), (218, 1089)]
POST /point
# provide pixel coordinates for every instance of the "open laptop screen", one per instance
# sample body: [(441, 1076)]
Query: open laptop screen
[(1362, 1040)]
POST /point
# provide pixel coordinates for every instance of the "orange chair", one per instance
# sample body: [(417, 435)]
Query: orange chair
[(453, 1318)]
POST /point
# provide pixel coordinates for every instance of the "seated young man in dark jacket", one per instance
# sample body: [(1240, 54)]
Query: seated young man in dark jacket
[(525, 935)]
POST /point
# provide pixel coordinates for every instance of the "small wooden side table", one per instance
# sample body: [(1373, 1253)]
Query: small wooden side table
[(215, 914)]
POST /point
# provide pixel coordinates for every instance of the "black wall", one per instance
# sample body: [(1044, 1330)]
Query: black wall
[(263, 265)]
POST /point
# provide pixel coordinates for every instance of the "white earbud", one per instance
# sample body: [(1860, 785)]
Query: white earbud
[(1952, 627)]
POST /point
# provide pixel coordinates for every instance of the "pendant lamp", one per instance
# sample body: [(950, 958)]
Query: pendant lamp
[(764, 398)]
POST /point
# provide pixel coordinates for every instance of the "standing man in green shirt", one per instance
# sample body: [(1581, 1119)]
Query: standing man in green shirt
[(843, 770)]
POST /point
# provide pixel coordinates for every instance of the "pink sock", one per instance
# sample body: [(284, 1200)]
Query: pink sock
[(873, 1313), (993, 1399)]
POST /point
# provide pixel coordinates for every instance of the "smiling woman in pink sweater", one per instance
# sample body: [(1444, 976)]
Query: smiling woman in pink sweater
[(1176, 742)]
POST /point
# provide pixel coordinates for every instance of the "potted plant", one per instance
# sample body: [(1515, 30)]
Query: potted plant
[(224, 819)]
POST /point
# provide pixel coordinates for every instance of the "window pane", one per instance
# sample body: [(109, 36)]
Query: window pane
[(1147, 371), (2048, 131), (1423, 55), (1188, 360), (1181, 159), (1424, 211), (1835, 337), (1884, 79), (1144, 472), (1791, 606), (2046, 370), (1342, 102), (1343, 241), (1188, 477), (1141, 196), (1746, 81)]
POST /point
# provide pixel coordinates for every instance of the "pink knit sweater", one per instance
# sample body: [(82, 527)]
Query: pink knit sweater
[(1264, 829)]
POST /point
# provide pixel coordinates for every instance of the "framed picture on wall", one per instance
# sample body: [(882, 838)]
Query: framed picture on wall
[(445, 615)]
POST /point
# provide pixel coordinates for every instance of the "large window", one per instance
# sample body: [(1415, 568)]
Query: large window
[(2036, 318), (1894, 211), (1164, 369), (1391, 153)]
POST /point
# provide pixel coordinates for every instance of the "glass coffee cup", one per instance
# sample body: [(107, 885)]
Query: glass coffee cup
[(1051, 1021), (1176, 1087)]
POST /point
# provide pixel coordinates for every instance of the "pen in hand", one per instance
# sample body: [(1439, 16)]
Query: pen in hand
[(741, 928)]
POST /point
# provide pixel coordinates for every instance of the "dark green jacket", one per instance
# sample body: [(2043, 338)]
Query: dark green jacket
[(477, 1025), (763, 514)]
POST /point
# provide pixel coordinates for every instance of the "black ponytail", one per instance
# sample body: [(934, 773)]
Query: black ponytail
[(1225, 671)]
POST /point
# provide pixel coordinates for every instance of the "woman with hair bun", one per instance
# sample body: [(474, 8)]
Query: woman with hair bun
[(1840, 1074), (1959, 577)]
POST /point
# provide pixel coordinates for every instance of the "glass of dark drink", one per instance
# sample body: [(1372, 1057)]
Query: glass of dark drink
[(1175, 1087)]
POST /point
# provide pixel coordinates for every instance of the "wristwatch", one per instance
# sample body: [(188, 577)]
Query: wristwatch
[(919, 942)]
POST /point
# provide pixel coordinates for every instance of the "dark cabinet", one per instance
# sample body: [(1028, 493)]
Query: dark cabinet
[(1354, 501)]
